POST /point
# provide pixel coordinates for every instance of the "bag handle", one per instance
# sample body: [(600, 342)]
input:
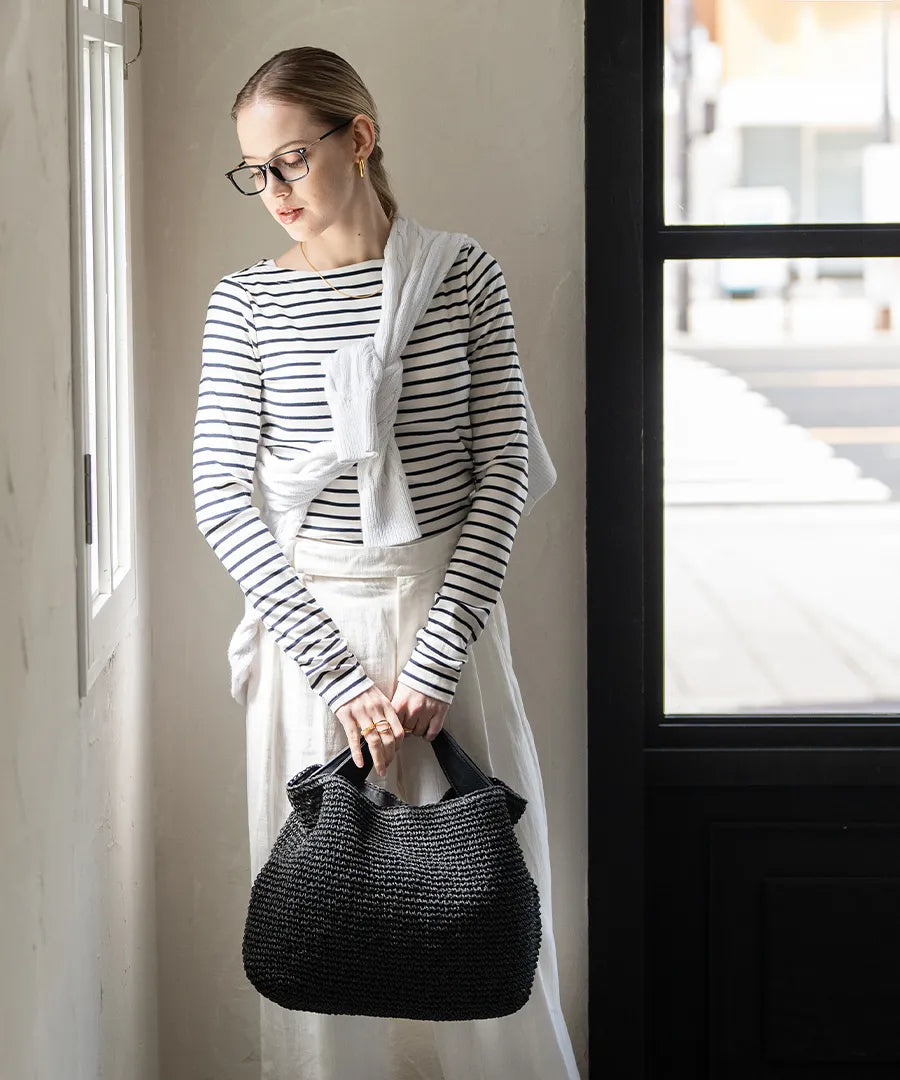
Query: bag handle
[(462, 772)]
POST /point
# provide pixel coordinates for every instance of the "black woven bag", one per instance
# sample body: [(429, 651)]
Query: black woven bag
[(371, 906)]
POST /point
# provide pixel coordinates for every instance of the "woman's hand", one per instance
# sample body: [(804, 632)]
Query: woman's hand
[(407, 713), (372, 707), (418, 713)]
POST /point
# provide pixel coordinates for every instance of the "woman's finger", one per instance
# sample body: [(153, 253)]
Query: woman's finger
[(422, 720), (435, 723), (376, 746), (389, 740), (354, 734), (397, 725)]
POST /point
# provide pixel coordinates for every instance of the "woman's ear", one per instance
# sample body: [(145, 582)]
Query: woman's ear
[(363, 135)]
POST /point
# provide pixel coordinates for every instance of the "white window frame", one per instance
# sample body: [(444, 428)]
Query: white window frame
[(102, 341)]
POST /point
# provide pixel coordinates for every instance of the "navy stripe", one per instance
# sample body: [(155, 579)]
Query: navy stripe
[(460, 428)]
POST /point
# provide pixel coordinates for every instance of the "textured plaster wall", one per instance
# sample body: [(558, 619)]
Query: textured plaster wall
[(77, 896), (482, 114)]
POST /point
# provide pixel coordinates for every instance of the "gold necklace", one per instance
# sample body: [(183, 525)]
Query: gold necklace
[(360, 296)]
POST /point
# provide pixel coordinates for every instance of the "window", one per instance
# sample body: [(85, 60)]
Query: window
[(102, 343), (781, 509), (773, 269)]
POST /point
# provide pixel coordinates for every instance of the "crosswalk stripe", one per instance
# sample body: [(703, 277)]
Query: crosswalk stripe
[(848, 435), (726, 443), (862, 377)]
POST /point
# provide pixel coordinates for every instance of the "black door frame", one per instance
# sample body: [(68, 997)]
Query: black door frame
[(630, 743), (615, 449)]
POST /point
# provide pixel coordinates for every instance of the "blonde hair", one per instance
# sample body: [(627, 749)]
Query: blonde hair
[(330, 90)]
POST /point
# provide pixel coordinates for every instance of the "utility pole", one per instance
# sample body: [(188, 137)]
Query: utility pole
[(883, 310), (886, 125), (681, 15)]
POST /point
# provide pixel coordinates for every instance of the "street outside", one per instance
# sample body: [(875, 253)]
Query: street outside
[(782, 509)]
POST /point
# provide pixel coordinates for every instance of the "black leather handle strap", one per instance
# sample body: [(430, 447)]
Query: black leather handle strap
[(461, 771)]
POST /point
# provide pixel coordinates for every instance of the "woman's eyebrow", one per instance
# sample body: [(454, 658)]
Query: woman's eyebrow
[(292, 142)]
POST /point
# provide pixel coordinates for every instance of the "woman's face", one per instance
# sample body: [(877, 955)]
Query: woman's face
[(267, 128)]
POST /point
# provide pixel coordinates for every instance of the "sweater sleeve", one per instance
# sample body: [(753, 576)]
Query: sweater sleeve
[(226, 437), (499, 449)]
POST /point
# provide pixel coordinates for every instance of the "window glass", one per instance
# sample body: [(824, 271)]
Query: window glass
[(782, 486), (781, 111)]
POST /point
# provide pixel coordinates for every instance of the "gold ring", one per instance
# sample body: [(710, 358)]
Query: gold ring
[(365, 731)]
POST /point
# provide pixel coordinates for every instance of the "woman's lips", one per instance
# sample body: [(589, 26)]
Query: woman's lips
[(290, 215)]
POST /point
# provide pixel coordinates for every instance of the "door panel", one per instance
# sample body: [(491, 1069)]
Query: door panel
[(773, 933)]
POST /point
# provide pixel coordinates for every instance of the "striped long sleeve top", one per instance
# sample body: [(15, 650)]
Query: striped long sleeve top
[(460, 429)]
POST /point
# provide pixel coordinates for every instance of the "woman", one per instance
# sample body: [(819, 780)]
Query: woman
[(393, 492)]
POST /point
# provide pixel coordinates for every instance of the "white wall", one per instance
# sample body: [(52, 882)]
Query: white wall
[(509, 76), (77, 966)]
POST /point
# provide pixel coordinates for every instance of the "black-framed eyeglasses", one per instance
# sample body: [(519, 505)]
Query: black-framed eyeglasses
[(288, 166)]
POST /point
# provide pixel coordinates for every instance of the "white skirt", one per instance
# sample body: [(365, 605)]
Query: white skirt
[(379, 597)]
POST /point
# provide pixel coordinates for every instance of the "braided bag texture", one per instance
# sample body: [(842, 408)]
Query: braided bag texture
[(371, 906)]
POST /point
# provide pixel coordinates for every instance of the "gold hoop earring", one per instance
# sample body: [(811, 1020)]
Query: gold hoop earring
[(362, 166)]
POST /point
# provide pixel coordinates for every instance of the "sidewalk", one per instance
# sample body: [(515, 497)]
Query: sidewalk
[(782, 562)]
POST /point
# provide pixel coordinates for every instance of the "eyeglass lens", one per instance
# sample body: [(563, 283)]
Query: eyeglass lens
[(289, 167)]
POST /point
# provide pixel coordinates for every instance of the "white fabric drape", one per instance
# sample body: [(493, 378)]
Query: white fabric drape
[(379, 597)]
